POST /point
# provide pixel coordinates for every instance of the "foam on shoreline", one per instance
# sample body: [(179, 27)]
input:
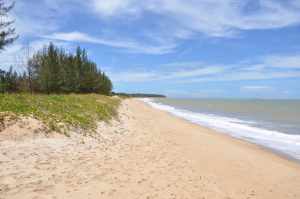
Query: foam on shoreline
[(275, 140)]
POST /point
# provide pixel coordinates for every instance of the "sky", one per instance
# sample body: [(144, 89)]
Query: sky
[(180, 48)]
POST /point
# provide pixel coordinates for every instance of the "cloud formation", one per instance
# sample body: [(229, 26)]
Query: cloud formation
[(131, 46), (211, 17), (256, 88), (157, 26), (193, 72), (155, 33), (283, 61)]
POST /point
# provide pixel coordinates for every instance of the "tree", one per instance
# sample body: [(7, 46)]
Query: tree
[(7, 32), (106, 85), (8, 81), (55, 71), (2, 81), (52, 70)]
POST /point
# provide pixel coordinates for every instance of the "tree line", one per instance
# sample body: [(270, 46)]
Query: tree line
[(139, 95), (50, 70), (53, 70)]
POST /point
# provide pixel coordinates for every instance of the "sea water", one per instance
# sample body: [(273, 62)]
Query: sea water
[(274, 124)]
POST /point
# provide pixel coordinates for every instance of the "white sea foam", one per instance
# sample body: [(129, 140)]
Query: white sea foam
[(278, 141)]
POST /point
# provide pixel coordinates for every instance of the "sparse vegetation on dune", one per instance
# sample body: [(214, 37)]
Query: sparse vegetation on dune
[(77, 110)]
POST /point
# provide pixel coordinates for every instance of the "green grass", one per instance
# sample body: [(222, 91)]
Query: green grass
[(77, 110)]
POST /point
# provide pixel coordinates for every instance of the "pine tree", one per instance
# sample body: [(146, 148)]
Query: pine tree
[(54, 71), (2, 81), (8, 81), (7, 32)]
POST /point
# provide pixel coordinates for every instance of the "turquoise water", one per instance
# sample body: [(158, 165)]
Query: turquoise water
[(272, 123)]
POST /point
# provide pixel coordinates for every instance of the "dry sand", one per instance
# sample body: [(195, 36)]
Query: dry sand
[(146, 154)]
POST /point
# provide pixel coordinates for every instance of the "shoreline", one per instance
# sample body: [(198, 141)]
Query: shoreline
[(230, 136), (145, 153), (233, 139)]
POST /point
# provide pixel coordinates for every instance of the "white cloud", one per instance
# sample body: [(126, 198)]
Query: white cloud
[(256, 88), (197, 71), (241, 76), (283, 61), (160, 75), (110, 8), (132, 46), (73, 36), (211, 17), (178, 20)]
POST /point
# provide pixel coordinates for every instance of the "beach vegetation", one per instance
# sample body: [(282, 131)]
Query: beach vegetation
[(53, 70), (82, 111)]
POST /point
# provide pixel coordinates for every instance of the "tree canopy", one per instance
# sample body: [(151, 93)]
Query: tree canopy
[(52, 70)]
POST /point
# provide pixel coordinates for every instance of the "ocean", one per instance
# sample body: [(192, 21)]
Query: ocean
[(274, 124)]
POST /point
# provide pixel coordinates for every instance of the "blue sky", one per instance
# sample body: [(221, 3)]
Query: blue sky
[(181, 48)]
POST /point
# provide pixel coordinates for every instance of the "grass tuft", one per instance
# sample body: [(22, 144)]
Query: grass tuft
[(76, 110)]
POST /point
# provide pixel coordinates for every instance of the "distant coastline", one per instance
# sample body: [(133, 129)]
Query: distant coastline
[(139, 95)]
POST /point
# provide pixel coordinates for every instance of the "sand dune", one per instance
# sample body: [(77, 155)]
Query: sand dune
[(147, 153)]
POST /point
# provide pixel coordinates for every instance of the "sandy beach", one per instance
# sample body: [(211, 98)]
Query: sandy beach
[(146, 153)]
